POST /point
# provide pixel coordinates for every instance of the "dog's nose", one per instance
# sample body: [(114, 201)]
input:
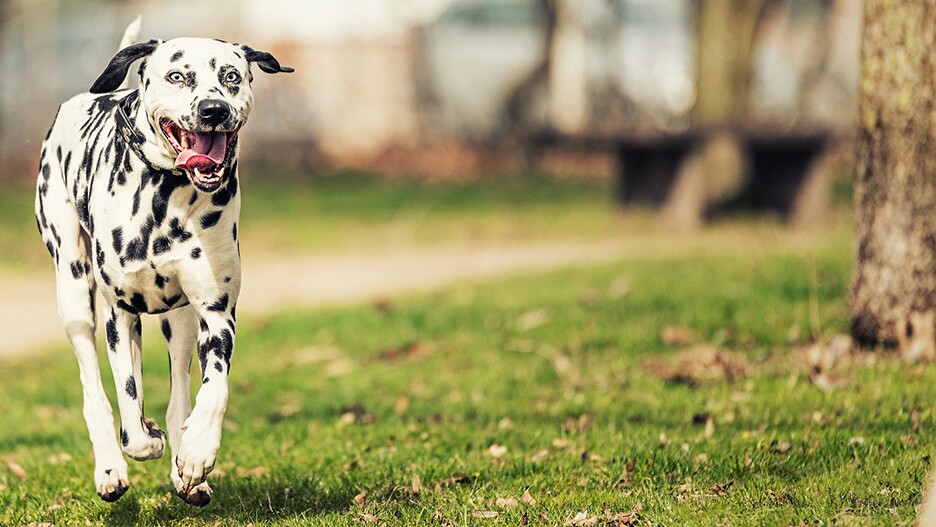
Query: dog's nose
[(213, 111)]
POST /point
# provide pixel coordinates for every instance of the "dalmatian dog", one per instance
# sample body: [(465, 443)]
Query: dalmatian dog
[(138, 198)]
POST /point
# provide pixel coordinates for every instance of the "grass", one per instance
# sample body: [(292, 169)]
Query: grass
[(443, 409), (351, 211)]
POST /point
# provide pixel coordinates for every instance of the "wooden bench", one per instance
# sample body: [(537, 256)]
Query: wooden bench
[(783, 173)]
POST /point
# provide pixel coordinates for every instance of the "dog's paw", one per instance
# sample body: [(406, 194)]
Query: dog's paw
[(196, 457), (150, 445), (111, 483), (199, 495)]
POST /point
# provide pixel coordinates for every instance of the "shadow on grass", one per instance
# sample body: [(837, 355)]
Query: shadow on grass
[(238, 501)]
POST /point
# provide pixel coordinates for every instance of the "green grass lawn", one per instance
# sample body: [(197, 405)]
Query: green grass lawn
[(352, 211), (537, 400), (445, 409)]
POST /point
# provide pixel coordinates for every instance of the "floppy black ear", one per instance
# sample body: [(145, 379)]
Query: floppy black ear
[(265, 61), (115, 72)]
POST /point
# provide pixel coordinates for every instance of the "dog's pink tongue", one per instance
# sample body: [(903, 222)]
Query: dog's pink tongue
[(205, 150)]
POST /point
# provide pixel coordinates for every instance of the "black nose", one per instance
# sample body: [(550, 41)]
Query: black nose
[(213, 111)]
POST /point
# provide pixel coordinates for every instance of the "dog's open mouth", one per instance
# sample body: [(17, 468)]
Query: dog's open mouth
[(202, 155)]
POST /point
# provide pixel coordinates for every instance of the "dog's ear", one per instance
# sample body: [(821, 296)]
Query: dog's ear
[(265, 61), (115, 72)]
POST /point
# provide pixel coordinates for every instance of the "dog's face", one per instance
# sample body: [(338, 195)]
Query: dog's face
[(196, 95)]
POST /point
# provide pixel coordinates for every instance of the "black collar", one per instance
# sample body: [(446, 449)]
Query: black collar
[(129, 132)]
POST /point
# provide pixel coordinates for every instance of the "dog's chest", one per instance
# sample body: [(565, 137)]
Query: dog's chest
[(152, 236)]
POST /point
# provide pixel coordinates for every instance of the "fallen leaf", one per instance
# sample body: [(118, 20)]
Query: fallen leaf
[(316, 354), (16, 469), (416, 485), (484, 514), (527, 499), (370, 518), (458, 479), (361, 499), (507, 503), (676, 336), (409, 350), (622, 519), (497, 451), (582, 519), (356, 413), (539, 456), (699, 365), (533, 319), (58, 459), (782, 447)]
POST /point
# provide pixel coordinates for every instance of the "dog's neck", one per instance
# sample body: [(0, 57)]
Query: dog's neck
[(137, 132)]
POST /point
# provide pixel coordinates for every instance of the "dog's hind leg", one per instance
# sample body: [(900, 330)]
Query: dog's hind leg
[(180, 328), (70, 247)]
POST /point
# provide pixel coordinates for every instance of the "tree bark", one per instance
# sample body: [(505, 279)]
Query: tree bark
[(725, 31), (894, 284)]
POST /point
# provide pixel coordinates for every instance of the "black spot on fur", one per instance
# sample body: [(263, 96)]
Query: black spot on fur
[(138, 303), (176, 56), (220, 345), (220, 304), (161, 245), (203, 325), (131, 387), (77, 269), (193, 197), (111, 330), (173, 300), (177, 232), (166, 329), (234, 231), (126, 307), (124, 438), (117, 234), (221, 197), (218, 366), (210, 219), (213, 63), (99, 252), (160, 281), (135, 251), (196, 253)]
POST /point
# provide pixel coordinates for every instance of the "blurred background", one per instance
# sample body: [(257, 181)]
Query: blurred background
[(447, 86), (423, 141)]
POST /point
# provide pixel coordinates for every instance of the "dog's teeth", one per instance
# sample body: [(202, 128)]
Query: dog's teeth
[(185, 141), (198, 174)]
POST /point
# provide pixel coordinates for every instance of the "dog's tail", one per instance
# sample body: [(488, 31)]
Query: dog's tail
[(131, 36), (132, 33)]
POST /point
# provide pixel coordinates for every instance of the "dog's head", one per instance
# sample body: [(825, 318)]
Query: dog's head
[(196, 96)]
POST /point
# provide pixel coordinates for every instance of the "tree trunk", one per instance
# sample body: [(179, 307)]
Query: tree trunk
[(894, 285), (725, 31)]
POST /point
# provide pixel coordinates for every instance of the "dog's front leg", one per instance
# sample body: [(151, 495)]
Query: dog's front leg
[(140, 438), (180, 328), (201, 434)]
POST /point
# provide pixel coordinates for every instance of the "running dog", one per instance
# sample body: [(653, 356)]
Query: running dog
[(138, 197)]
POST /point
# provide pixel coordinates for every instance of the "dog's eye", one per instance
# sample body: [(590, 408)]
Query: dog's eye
[(232, 77), (175, 77)]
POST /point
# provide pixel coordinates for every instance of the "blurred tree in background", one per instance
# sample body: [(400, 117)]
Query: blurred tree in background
[(894, 286)]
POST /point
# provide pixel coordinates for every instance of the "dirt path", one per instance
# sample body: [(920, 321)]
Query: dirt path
[(29, 320)]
